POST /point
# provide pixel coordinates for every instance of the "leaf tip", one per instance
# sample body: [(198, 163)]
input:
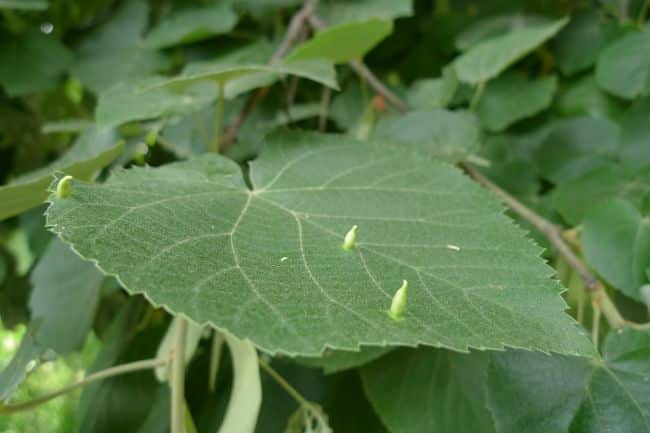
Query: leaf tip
[(398, 304), (350, 239)]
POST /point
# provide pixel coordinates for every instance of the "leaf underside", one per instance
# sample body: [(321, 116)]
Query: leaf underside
[(266, 263)]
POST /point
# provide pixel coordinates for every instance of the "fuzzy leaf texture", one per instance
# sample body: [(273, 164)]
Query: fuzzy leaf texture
[(267, 263)]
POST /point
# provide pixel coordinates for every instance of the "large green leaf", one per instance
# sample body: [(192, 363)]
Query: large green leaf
[(114, 51), (448, 135), (343, 11), (623, 68), (574, 147), (320, 71), (513, 97), (635, 135), (616, 242), (64, 286), (495, 26), (191, 25), (489, 58), (266, 263), (574, 198), (577, 46), (429, 391), (145, 99), (93, 150), (344, 42), (32, 62), (555, 394)]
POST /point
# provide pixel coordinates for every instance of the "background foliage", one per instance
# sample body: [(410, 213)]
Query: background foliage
[(222, 150)]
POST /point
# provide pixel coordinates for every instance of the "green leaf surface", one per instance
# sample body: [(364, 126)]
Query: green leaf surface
[(334, 361), (344, 11), (578, 45), (64, 287), (429, 391), (496, 26), (584, 97), (344, 42), (556, 394), (319, 71), (576, 146), (145, 99), (616, 242), (32, 62), (443, 134), (3, 269), (513, 97), (246, 395), (574, 198), (66, 125), (623, 67), (635, 135), (93, 150), (27, 5), (195, 247), (191, 25), (489, 58), (433, 93)]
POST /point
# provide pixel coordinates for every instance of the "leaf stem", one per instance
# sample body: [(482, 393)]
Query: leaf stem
[(117, 370), (178, 380), (283, 383), (215, 357), (216, 143), (595, 324), (476, 98), (324, 107)]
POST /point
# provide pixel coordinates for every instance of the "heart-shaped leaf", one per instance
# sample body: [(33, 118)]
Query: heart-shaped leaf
[(267, 262)]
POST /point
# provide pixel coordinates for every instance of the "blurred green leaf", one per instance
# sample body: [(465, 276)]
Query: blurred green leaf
[(94, 149), (557, 394), (426, 94), (623, 67), (495, 26), (635, 135), (512, 97), (489, 58), (343, 11), (191, 25), (344, 42), (28, 5), (616, 242), (32, 62), (448, 135), (584, 97), (429, 391)]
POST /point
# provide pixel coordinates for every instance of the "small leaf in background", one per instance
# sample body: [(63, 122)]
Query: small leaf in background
[(113, 52), (577, 46), (307, 191), (429, 391), (64, 287), (246, 395), (512, 97), (433, 93), (573, 147), (191, 25), (343, 11), (635, 135), (145, 99), (623, 67), (489, 58), (616, 242), (27, 5), (93, 150), (557, 394), (583, 97), (32, 62), (495, 26), (343, 43), (443, 134), (334, 361), (574, 198)]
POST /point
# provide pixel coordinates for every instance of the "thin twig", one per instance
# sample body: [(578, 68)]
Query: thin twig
[(363, 71), (117, 370), (293, 34), (283, 383), (324, 107)]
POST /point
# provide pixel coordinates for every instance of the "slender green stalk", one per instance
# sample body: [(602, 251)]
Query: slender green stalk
[(215, 356), (283, 383), (178, 380), (595, 325), (131, 367), (478, 92), (216, 143)]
